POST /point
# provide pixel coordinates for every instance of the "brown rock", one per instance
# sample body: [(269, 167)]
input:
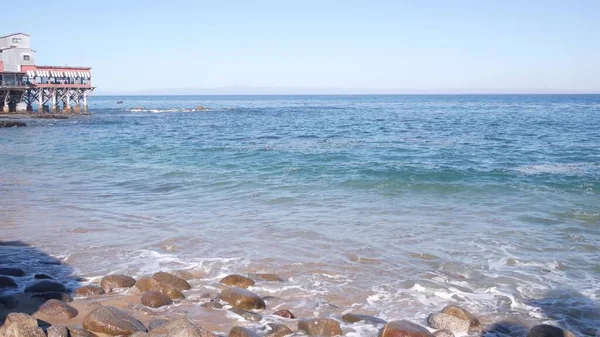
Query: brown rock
[(404, 329), (170, 279), (237, 281), (154, 299), (458, 312), (212, 305), (320, 327), (189, 274), (353, 318), (21, 325), (284, 313), (149, 284), (89, 290), (278, 330), (79, 332), (181, 327), (58, 308), (242, 298), (249, 315), (57, 331), (238, 331), (110, 282), (443, 333), (441, 320), (112, 321)]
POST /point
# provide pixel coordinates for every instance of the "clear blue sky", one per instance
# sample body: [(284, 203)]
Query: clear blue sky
[(399, 45)]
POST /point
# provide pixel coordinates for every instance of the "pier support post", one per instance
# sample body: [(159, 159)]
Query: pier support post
[(67, 107), (85, 106), (5, 108), (41, 101), (54, 106), (77, 108)]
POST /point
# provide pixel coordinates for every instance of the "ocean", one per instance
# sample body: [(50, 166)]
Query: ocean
[(393, 206)]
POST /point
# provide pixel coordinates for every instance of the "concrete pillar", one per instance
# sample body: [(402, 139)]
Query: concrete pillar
[(77, 108), (5, 108), (54, 106), (41, 101), (68, 105), (85, 106)]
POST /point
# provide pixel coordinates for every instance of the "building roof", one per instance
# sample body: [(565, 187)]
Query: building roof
[(61, 67), (13, 34)]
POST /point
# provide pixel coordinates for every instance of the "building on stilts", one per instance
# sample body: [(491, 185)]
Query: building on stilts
[(26, 86)]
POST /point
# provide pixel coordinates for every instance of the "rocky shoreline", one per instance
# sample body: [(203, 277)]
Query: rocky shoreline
[(120, 305)]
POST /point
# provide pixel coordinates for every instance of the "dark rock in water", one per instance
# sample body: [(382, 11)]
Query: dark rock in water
[(58, 308), (154, 299), (9, 302), (284, 313), (320, 327), (110, 282), (443, 333), (212, 305), (45, 286), (43, 277), (170, 279), (353, 318), (278, 330), (112, 321), (156, 323), (21, 325), (249, 315), (7, 282), (545, 330), (10, 124), (54, 295), (12, 272), (238, 331), (463, 314), (242, 298), (51, 116), (181, 327), (441, 320), (89, 290), (57, 331), (79, 332), (404, 328), (237, 281)]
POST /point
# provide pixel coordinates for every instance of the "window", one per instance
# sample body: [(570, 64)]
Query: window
[(16, 40), (26, 58)]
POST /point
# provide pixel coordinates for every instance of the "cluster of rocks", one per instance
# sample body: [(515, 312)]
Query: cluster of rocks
[(163, 289), (11, 124)]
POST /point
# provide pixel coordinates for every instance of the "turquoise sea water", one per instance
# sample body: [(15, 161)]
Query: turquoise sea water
[(393, 205)]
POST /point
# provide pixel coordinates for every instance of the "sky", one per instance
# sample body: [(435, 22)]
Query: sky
[(424, 46)]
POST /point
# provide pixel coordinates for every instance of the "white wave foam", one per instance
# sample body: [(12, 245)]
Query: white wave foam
[(555, 168)]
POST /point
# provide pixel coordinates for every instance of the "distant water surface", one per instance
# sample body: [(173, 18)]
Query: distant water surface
[(389, 205)]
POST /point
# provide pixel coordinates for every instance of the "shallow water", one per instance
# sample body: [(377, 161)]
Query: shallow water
[(390, 205)]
